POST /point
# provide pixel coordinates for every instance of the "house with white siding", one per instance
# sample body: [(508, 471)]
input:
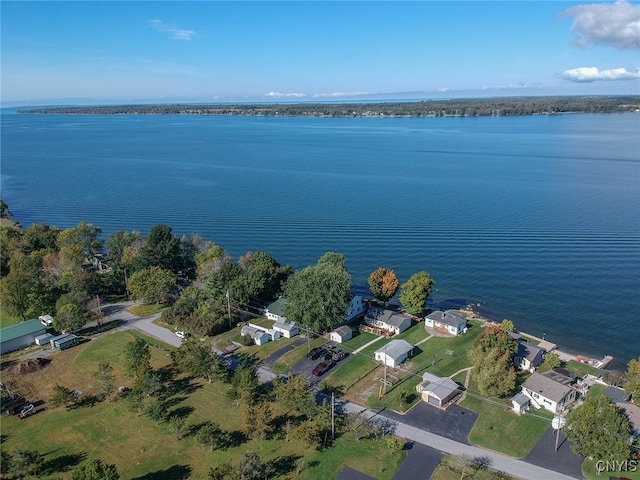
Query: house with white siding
[(388, 320), (449, 322)]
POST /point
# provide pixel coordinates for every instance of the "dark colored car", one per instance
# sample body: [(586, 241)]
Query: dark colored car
[(314, 353), (321, 368), (339, 355)]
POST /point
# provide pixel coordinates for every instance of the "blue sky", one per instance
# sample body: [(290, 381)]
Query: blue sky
[(146, 51)]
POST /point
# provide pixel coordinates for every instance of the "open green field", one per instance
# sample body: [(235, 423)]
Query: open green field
[(139, 448), (581, 369), (358, 340), (499, 429)]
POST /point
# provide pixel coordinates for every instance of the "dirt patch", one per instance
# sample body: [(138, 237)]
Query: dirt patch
[(28, 366)]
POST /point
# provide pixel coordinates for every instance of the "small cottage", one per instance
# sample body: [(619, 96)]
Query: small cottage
[(519, 403), (388, 320), (437, 391), (286, 329), (448, 322), (528, 356), (259, 336), (545, 392), (275, 311), (394, 353), (341, 334)]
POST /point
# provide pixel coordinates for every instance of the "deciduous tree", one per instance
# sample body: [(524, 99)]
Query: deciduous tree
[(213, 437), (152, 285), (196, 359), (383, 284), (95, 469), (62, 396), (495, 375), (632, 386), (318, 296), (415, 291), (104, 381), (137, 359), (598, 429)]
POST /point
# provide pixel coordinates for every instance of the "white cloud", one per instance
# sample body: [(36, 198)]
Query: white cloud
[(615, 24), (175, 32), (340, 94), (592, 74), (284, 95)]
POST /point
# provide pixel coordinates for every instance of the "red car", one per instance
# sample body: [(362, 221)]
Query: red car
[(321, 368)]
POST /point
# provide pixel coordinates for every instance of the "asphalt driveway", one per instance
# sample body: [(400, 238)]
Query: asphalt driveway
[(454, 423), (563, 461), (420, 462)]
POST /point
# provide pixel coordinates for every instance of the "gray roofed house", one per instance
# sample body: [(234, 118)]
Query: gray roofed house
[(617, 394), (448, 321), (394, 353), (260, 337), (341, 334), (387, 320), (287, 329), (437, 391), (632, 411), (528, 356), (545, 392), (519, 403)]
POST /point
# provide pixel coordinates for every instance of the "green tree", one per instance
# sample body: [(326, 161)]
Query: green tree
[(223, 471), (95, 469), (245, 383), (632, 386), (23, 291), (26, 463), (162, 249), (264, 276), (118, 242), (62, 396), (104, 381), (415, 291), (495, 375), (137, 359), (491, 338), (318, 296), (157, 411), (39, 236), (258, 420), (507, 325), (309, 433), (196, 359), (70, 317), (213, 437), (152, 285), (383, 284), (599, 430), (552, 360), (294, 393)]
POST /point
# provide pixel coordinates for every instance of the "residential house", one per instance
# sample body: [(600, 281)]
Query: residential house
[(394, 353), (286, 329), (449, 322), (357, 307), (341, 334), (388, 320), (545, 391), (528, 356), (20, 335), (275, 311), (617, 394), (259, 336), (437, 391)]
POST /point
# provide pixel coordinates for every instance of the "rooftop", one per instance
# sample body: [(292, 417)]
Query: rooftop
[(448, 318), (387, 316), (546, 386), (440, 387), (277, 307), (26, 327), (396, 348)]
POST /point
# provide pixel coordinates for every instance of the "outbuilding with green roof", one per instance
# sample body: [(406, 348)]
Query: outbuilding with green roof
[(20, 335)]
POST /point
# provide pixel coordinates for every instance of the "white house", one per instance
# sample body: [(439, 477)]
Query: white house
[(286, 329), (519, 403), (275, 311), (546, 392), (357, 306), (448, 321), (394, 353), (341, 334), (437, 391), (260, 335), (387, 320)]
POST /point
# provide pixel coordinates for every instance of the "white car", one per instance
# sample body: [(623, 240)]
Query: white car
[(27, 410), (180, 334)]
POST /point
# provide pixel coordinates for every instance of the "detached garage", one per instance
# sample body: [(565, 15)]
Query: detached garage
[(20, 335)]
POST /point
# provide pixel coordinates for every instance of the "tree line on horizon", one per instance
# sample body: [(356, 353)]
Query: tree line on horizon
[(468, 107)]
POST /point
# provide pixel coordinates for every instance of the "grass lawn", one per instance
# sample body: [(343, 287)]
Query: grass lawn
[(445, 473), (501, 430), (359, 339), (139, 448), (581, 369), (145, 310), (347, 374), (589, 471), (596, 389), (413, 334), (6, 319), (260, 352)]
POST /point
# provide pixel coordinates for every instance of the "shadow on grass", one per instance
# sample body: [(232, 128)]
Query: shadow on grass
[(284, 465), (177, 472), (63, 463), (181, 412)]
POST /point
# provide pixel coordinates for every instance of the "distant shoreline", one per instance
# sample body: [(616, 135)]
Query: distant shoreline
[(471, 107)]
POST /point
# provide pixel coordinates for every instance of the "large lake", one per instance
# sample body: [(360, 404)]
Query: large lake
[(535, 218)]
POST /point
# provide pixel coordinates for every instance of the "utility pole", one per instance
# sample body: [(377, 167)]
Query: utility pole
[(333, 422), (229, 307)]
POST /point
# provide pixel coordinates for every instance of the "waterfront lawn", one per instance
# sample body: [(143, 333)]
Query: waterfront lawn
[(581, 369), (139, 448), (289, 359), (413, 334), (499, 429), (358, 340)]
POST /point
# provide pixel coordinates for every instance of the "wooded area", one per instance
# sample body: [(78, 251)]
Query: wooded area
[(468, 107)]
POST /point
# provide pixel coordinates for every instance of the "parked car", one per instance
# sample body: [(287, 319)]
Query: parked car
[(321, 368), (180, 334), (314, 353), (27, 410), (339, 355)]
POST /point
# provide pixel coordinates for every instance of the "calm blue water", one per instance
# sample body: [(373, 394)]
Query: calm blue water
[(536, 218)]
